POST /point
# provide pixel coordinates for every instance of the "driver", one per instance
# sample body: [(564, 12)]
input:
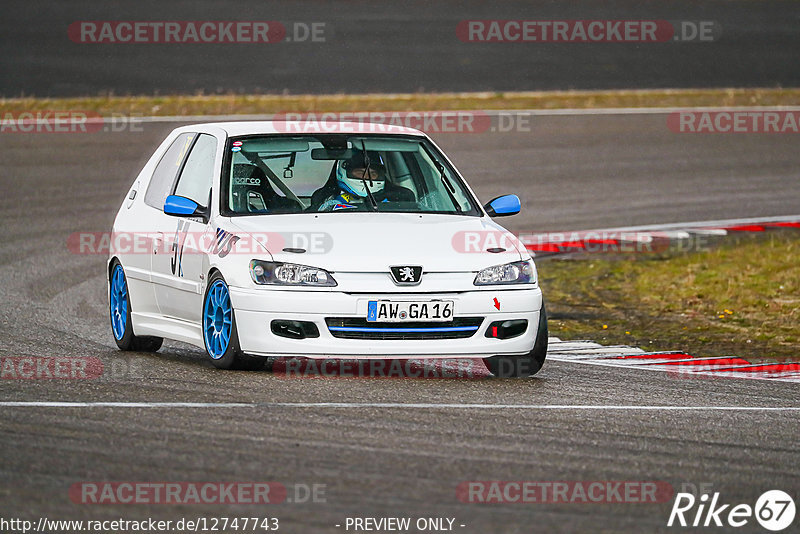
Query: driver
[(349, 191)]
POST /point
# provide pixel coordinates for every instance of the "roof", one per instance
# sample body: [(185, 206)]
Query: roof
[(238, 128)]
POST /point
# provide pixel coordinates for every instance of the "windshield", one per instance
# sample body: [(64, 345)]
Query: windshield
[(340, 173)]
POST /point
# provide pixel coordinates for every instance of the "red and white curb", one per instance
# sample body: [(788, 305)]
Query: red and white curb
[(678, 364), (649, 238)]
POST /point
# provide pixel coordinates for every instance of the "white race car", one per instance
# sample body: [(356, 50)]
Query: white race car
[(256, 239)]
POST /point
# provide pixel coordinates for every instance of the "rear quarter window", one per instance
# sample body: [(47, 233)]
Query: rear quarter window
[(164, 175)]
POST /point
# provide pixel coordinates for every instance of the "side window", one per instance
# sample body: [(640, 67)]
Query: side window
[(164, 174), (195, 180)]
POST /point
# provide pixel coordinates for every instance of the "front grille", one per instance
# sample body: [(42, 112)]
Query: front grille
[(358, 328)]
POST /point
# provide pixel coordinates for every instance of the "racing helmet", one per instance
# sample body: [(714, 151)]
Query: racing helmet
[(351, 174)]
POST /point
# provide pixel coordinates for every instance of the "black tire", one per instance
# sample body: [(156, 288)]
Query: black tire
[(128, 340), (232, 358), (522, 366)]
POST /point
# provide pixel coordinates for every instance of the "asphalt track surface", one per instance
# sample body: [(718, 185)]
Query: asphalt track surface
[(375, 456), (384, 46)]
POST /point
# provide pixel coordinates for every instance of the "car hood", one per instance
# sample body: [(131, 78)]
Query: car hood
[(371, 242)]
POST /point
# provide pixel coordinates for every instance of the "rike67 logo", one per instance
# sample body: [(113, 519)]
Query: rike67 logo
[(774, 510)]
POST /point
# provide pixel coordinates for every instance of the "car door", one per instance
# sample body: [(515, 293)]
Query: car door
[(140, 226), (179, 267)]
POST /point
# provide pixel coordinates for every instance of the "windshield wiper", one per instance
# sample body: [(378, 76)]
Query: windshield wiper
[(372, 202), (445, 181)]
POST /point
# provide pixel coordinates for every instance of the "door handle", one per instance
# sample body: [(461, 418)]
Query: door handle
[(158, 242)]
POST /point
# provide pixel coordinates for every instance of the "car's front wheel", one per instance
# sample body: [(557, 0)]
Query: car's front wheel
[(119, 302), (522, 366), (219, 329)]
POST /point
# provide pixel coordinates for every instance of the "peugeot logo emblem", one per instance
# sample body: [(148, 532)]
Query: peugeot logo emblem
[(407, 275)]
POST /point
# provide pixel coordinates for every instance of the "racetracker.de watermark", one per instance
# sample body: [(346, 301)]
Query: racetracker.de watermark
[(591, 241), (564, 491), (50, 367), (587, 31), (195, 32), (386, 121), (67, 122), (379, 368), (69, 368), (223, 493), (186, 492), (219, 243), (734, 121)]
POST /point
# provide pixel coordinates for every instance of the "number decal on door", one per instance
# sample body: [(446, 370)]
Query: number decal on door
[(177, 248)]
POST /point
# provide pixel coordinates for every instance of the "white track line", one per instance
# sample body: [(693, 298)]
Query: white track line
[(424, 406), (489, 112), (702, 226)]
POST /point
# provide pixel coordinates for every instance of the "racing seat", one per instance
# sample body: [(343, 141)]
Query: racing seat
[(252, 192)]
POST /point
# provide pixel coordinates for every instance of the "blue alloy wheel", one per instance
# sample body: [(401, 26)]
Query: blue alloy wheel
[(119, 302), (219, 329), (119, 308), (217, 319)]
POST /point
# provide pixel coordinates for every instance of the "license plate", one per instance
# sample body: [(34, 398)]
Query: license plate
[(402, 311)]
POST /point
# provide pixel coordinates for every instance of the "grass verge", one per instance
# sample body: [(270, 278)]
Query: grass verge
[(739, 298), (269, 104)]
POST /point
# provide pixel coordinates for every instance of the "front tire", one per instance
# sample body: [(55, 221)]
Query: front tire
[(522, 366), (119, 303), (220, 336)]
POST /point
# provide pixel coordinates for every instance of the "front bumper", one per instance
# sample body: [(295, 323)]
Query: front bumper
[(256, 308)]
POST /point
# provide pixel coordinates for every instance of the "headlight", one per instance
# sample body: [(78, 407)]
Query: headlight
[(289, 274), (518, 272)]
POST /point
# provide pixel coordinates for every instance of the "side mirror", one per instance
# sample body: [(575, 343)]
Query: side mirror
[(503, 206), (182, 207)]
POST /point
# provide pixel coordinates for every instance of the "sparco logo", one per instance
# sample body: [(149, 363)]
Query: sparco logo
[(774, 510)]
